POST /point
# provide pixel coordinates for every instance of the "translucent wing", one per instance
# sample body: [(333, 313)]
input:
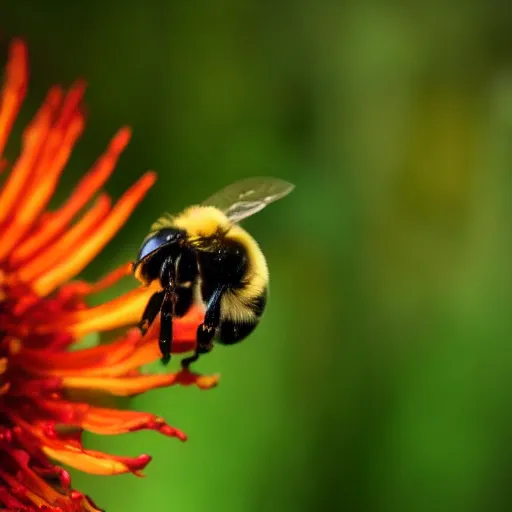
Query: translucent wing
[(247, 197)]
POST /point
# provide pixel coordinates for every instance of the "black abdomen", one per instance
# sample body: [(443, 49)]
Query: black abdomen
[(231, 331)]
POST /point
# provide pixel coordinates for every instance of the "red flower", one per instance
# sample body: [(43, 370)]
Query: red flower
[(42, 315)]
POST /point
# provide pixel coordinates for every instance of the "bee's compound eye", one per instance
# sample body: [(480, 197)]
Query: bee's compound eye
[(149, 246), (159, 239)]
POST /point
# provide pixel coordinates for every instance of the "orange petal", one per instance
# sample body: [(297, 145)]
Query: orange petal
[(124, 310), (127, 310), (83, 288), (113, 421), (111, 359), (53, 254), (57, 152), (72, 103), (144, 353), (74, 262), (184, 330), (105, 421), (97, 463), (34, 138), (92, 362), (129, 386), (83, 192), (83, 362), (48, 172), (14, 89), (147, 351)]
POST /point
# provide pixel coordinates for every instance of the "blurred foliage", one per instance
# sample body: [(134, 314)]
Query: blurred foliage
[(380, 377)]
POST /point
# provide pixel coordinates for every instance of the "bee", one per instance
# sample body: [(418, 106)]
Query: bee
[(202, 256)]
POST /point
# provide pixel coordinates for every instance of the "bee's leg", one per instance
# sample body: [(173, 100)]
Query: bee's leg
[(204, 344), (167, 280), (165, 340), (187, 361), (206, 330), (167, 273), (152, 309)]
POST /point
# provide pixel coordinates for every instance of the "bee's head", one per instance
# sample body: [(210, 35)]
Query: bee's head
[(155, 248)]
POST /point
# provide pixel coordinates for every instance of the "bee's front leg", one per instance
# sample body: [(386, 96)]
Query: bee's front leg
[(165, 340), (167, 280), (206, 331), (153, 307)]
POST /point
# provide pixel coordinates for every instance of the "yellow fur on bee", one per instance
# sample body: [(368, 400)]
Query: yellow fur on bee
[(256, 279), (201, 221), (236, 305)]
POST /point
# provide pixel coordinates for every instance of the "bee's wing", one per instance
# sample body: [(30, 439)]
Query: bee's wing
[(247, 197)]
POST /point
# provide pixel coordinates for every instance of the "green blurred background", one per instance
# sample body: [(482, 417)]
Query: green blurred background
[(379, 379)]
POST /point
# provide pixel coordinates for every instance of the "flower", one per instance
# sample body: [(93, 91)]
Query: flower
[(42, 314)]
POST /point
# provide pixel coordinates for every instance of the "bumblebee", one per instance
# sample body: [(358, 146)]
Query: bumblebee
[(203, 256)]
